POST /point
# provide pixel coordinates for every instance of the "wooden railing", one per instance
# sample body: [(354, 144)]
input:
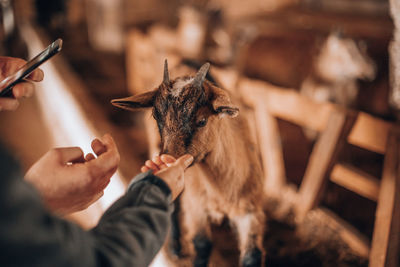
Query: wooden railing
[(335, 126)]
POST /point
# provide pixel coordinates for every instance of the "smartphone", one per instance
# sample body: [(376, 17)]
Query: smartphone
[(8, 83)]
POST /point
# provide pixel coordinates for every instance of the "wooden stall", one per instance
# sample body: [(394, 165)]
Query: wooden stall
[(264, 53)]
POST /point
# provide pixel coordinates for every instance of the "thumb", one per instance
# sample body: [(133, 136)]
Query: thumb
[(70, 154), (184, 161)]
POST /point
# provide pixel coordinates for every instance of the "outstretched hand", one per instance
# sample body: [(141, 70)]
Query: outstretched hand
[(170, 170), (69, 181), (8, 66)]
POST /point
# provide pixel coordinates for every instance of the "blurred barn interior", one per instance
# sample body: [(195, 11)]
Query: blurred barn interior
[(319, 79)]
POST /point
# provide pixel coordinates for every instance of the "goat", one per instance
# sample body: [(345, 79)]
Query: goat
[(194, 116), (336, 69)]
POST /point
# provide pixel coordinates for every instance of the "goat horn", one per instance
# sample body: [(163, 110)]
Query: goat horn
[(166, 74), (201, 75)]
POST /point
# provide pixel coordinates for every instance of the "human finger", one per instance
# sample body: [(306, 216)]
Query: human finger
[(106, 148), (160, 164), (70, 154), (11, 66), (157, 160), (183, 162), (167, 159), (178, 167), (108, 142), (107, 161), (98, 147), (102, 169), (144, 169), (36, 76), (89, 157), (151, 165), (23, 89), (7, 103)]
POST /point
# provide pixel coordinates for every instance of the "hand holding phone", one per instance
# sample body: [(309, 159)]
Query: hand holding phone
[(9, 82)]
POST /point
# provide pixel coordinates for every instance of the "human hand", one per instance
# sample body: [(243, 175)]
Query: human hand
[(70, 182), (170, 170), (8, 66)]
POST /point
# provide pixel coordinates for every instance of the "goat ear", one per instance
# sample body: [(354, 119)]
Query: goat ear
[(222, 103), (135, 102)]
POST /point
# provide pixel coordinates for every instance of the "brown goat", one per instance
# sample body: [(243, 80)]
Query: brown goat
[(196, 117)]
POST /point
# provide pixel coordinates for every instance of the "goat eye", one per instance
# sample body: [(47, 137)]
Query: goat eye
[(201, 123)]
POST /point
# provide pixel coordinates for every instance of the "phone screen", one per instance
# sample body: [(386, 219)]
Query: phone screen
[(7, 84)]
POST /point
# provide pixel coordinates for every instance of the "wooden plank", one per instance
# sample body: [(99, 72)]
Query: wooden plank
[(321, 161), (365, 7), (370, 133), (287, 104), (271, 149), (386, 236), (356, 180), (237, 9), (394, 56)]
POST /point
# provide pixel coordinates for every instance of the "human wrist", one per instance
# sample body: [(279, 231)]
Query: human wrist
[(149, 177)]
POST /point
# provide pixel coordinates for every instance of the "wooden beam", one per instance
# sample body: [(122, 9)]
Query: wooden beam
[(321, 161), (365, 7), (356, 180), (237, 9), (386, 236), (370, 133), (394, 57), (295, 19), (270, 148), (287, 104)]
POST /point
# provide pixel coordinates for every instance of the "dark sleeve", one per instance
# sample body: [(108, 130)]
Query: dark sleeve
[(134, 227), (129, 234)]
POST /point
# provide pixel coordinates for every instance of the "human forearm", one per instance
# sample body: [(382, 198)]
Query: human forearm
[(139, 221), (129, 234)]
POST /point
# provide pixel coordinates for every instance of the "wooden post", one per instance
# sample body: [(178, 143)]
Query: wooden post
[(356, 180), (394, 51), (386, 237), (271, 149), (321, 161)]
